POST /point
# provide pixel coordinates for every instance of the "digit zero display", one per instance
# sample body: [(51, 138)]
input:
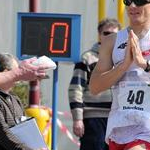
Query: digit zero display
[(54, 35)]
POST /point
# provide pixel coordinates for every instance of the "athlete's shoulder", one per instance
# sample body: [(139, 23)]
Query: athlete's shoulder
[(112, 38)]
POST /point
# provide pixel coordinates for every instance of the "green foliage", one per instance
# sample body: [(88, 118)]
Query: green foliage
[(21, 89)]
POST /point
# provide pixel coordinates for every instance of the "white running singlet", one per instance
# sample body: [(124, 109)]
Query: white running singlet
[(129, 118)]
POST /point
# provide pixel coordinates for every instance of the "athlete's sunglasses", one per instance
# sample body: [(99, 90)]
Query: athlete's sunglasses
[(105, 33), (136, 2)]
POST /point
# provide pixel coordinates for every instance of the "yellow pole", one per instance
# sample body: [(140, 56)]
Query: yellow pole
[(121, 9), (101, 9)]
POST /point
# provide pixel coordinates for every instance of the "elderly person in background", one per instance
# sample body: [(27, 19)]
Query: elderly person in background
[(11, 110), (25, 72)]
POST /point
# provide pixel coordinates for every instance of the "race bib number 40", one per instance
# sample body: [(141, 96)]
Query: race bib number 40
[(134, 95)]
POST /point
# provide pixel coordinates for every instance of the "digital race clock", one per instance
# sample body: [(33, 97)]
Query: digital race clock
[(54, 35)]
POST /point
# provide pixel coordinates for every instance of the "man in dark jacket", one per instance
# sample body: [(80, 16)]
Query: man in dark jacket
[(11, 110)]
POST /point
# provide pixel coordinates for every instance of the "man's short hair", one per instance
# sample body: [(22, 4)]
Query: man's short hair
[(108, 22), (6, 61)]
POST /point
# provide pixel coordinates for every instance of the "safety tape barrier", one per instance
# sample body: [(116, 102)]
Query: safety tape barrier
[(62, 127), (65, 130)]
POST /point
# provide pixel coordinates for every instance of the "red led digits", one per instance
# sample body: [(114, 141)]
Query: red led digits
[(63, 38)]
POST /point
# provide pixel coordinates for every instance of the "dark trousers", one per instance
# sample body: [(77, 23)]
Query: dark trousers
[(94, 137)]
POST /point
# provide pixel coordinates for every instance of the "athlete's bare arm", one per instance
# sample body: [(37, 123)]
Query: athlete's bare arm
[(105, 75)]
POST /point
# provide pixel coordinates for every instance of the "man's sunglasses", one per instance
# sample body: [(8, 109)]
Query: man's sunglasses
[(105, 33), (136, 2)]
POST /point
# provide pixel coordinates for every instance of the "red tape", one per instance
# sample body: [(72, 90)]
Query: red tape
[(62, 127)]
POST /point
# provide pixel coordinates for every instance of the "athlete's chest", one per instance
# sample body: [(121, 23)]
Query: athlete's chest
[(119, 50)]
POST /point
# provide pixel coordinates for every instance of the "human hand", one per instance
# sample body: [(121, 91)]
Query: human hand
[(78, 128), (128, 54), (136, 51), (27, 71)]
